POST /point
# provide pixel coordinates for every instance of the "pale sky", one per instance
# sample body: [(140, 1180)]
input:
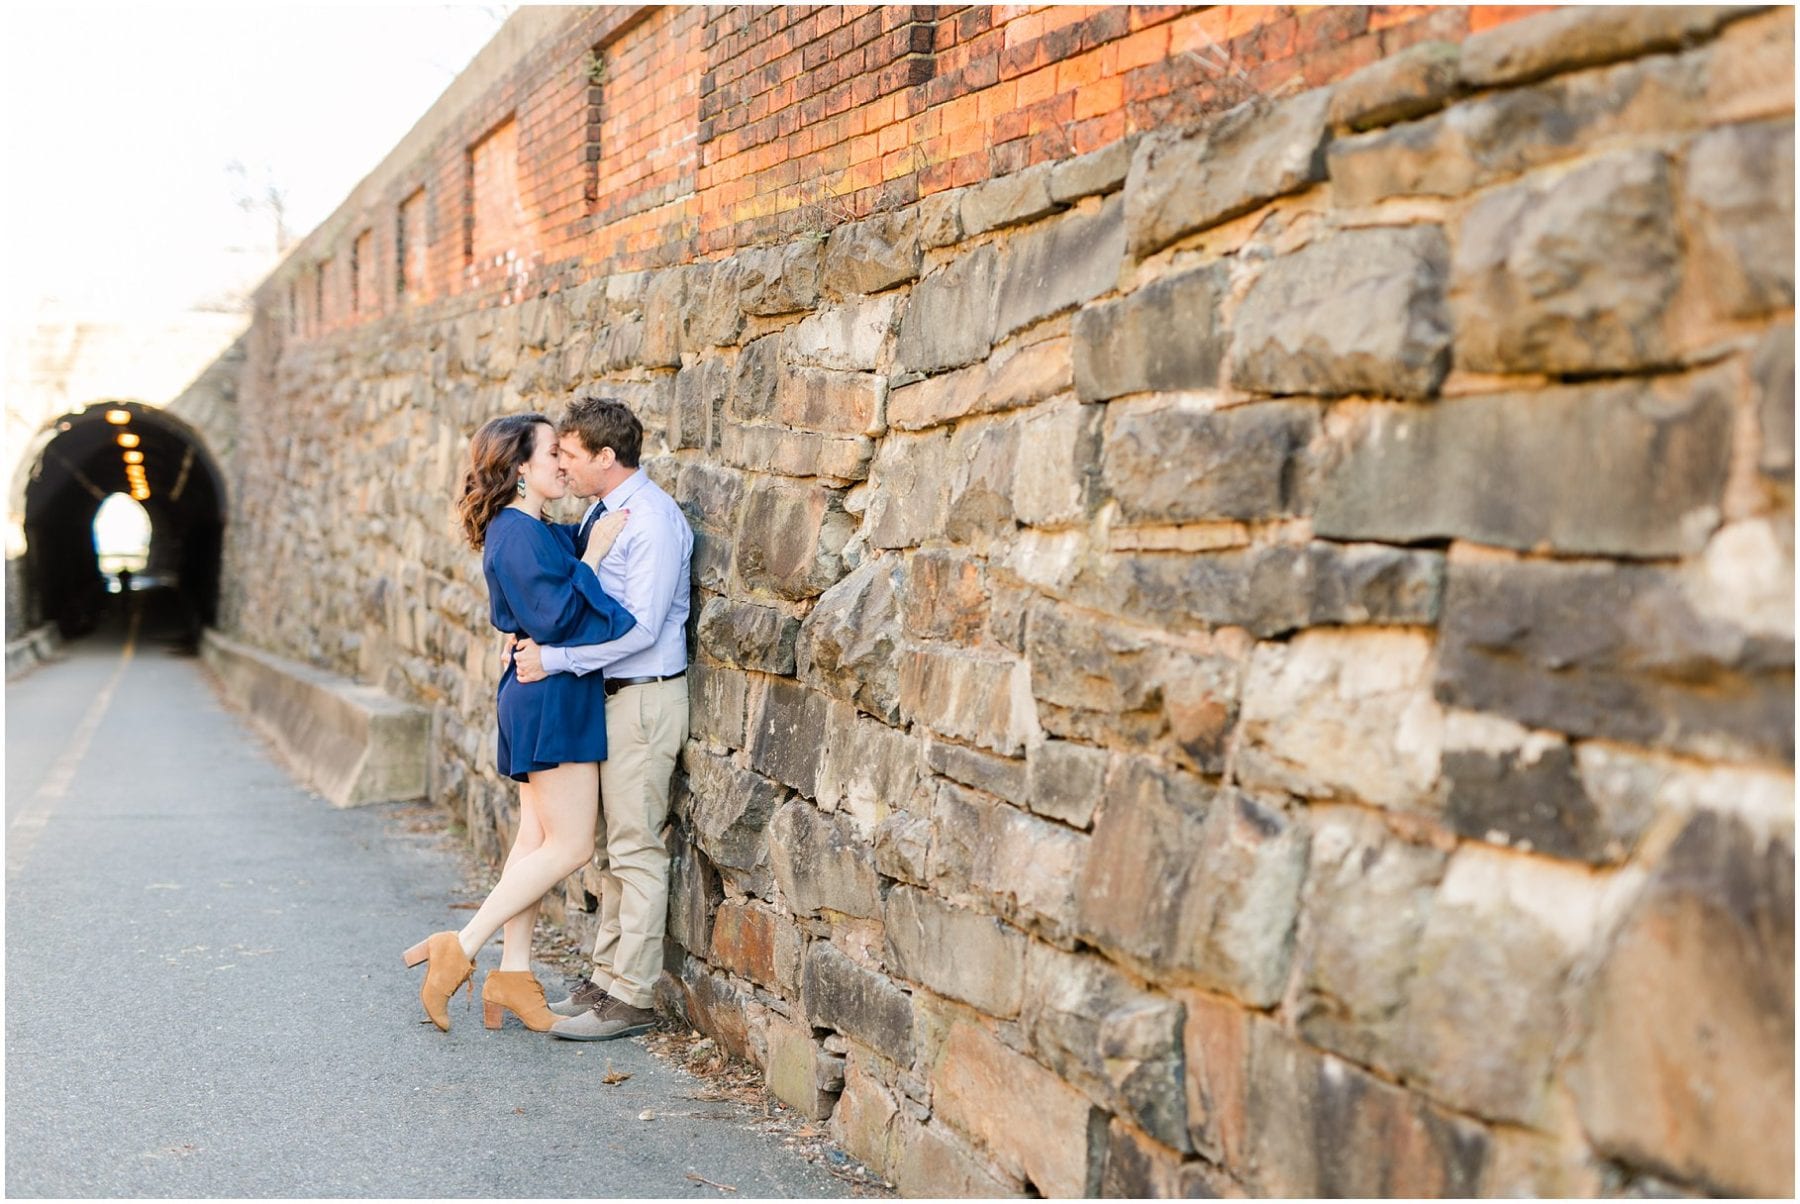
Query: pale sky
[(121, 123)]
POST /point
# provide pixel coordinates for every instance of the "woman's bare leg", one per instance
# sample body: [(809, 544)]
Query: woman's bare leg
[(515, 934), (567, 807)]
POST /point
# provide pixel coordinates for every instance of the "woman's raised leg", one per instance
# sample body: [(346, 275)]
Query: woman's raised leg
[(567, 807)]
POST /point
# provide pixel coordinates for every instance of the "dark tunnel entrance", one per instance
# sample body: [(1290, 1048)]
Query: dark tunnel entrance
[(149, 456)]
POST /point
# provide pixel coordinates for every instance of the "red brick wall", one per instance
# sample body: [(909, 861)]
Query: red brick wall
[(643, 136)]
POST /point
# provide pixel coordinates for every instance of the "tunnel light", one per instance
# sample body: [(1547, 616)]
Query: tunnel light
[(127, 439), (134, 457), (118, 417)]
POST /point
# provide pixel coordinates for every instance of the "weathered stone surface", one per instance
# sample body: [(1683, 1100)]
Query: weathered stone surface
[(1011, 377), (940, 219), (903, 847), (1140, 1168), (730, 811), (987, 970), (1520, 470), (849, 337), (1198, 883), (1186, 181), (1000, 859), (1570, 275), (756, 381), (874, 254), (1368, 895), (1320, 1127), (983, 460), (716, 1007), (1484, 1013), (866, 1120), (1117, 1042), (1545, 43), (1358, 312), (710, 496), (716, 699), (1706, 1093), (1060, 265), (1164, 337), (798, 1070), (931, 1159), (1008, 200), (700, 391), (1772, 369), (1418, 80), (835, 459), (1270, 590), (713, 312), (1524, 789), (840, 403), (749, 636), (1058, 461), (977, 699), (1003, 777), (1064, 781), (663, 327), (1099, 680), (945, 596), (791, 538), (911, 490), (787, 739), (949, 319), (759, 944), (1618, 651), (869, 769), (1035, 1125), (819, 862), (1173, 461), (1215, 1044), (780, 280), (858, 1002), (1343, 715), (1098, 171), (848, 644), (1739, 194), (693, 893)]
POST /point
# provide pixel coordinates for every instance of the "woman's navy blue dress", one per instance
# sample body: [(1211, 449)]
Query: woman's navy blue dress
[(538, 587)]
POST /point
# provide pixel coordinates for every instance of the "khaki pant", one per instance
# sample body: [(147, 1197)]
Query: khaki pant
[(645, 728)]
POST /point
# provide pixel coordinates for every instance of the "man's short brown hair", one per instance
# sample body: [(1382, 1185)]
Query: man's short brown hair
[(603, 422)]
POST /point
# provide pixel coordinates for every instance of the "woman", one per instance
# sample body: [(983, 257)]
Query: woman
[(552, 732)]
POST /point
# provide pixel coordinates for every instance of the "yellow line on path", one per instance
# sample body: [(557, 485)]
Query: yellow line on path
[(25, 828)]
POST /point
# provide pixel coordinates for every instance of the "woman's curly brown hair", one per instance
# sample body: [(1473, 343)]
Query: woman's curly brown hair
[(496, 453)]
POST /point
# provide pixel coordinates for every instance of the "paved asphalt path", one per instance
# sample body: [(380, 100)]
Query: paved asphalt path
[(204, 992)]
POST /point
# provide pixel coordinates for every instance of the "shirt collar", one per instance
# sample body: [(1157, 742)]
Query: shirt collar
[(621, 496)]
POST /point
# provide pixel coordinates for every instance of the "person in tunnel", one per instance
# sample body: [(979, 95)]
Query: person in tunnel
[(552, 733)]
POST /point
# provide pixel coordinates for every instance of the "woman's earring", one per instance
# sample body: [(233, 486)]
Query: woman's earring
[(521, 486)]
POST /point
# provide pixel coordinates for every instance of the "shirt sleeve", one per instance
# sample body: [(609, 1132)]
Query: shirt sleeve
[(652, 572), (555, 597)]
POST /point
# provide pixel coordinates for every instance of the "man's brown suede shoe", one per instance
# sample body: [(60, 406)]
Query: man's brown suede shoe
[(605, 1021), (586, 996)]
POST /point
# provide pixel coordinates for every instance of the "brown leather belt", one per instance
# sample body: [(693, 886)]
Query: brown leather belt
[(615, 684)]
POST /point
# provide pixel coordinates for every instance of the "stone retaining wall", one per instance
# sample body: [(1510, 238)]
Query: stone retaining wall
[(1257, 659)]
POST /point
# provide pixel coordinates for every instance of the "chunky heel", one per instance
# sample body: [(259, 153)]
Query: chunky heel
[(417, 953), (492, 1016)]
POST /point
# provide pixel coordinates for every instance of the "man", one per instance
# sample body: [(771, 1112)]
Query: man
[(598, 443)]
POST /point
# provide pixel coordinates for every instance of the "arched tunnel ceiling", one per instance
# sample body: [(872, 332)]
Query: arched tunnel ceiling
[(87, 459)]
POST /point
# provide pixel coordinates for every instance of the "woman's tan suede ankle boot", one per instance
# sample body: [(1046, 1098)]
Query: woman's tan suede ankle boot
[(448, 970), (518, 992)]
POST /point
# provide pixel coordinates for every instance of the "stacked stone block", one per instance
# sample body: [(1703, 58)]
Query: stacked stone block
[(1258, 659)]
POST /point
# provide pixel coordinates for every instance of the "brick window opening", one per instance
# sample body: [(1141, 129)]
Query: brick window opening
[(362, 269), (319, 294), (410, 246), (599, 70), (293, 308), (492, 214)]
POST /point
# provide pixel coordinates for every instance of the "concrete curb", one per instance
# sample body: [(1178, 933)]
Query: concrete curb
[(353, 744), (31, 650)]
